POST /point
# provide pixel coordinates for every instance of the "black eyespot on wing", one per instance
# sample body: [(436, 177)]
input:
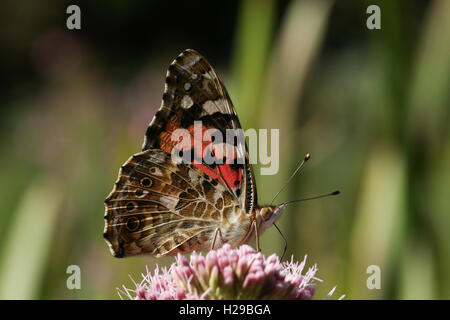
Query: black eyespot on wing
[(133, 223), (146, 182)]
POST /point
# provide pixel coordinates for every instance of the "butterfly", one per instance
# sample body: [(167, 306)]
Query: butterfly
[(161, 205)]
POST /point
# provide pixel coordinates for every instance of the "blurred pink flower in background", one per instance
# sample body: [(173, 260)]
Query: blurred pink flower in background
[(227, 273)]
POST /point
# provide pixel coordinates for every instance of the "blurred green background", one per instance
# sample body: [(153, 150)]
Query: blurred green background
[(371, 106)]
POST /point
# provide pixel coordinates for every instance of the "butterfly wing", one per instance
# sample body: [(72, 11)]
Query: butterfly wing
[(161, 207), (194, 92)]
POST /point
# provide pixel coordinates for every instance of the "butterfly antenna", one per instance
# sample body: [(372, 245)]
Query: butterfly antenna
[(285, 241), (307, 157), (334, 193)]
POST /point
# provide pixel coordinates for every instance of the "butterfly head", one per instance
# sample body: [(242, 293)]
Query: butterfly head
[(266, 216)]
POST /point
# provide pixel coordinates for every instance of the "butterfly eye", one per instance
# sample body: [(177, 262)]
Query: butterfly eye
[(146, 182), (132, 223), (266, 213)]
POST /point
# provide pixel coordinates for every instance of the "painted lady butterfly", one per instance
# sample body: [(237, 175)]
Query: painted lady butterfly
[(160, 206)]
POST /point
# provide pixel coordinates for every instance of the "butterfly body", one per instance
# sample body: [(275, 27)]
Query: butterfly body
[(162, 204)]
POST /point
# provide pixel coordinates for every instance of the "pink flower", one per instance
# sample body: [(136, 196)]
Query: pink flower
[(157, 286), (227, 273)]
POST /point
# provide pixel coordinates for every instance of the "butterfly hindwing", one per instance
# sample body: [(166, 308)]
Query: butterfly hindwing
[(160, 207)]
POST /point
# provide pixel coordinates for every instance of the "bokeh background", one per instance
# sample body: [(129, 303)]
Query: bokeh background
[(371, 106)]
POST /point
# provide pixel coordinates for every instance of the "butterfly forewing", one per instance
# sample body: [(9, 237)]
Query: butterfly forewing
[(194, 92)]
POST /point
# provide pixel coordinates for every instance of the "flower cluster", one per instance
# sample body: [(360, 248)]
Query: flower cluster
[(227, 273), (160, 286)]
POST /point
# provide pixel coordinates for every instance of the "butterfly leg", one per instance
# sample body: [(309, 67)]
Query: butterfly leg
[(218, 231), (258, 249)]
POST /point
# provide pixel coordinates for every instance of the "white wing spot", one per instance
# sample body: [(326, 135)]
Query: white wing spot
[(194, 76), (210, 107), (193, 176), (191, 60), (158, 158), (208, 75), (186, 102), (168, 202), (187, 86)]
